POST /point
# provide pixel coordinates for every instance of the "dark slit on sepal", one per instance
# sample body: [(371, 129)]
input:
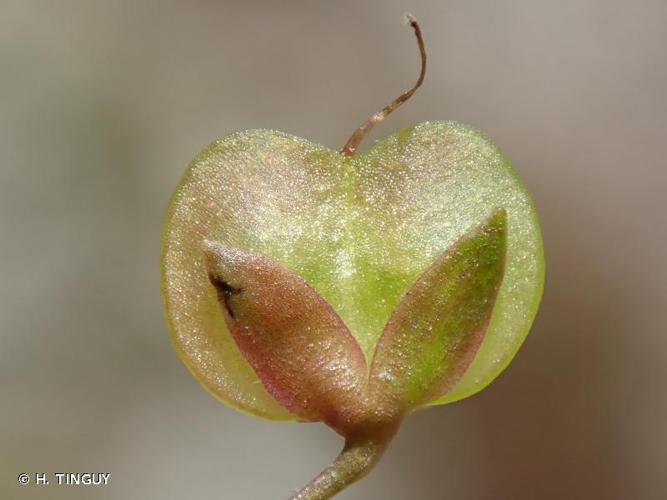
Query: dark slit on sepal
[(225, 292)]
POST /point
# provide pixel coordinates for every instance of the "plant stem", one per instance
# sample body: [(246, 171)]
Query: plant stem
[(358, 457)]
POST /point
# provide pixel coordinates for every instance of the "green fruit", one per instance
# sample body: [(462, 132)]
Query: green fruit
[(359, 230), (305, 283)]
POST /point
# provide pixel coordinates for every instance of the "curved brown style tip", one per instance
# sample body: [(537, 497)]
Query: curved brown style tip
[(355, 139)]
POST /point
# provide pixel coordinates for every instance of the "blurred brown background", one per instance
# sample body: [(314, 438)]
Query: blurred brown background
[(104, 103)]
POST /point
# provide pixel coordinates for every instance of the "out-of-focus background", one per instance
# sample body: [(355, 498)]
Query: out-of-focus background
[(102, 104)]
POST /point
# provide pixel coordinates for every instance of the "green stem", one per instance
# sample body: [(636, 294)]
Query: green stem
[(358, 457)]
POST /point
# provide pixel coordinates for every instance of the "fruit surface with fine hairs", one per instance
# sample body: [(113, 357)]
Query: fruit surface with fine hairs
[(347, 239)]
